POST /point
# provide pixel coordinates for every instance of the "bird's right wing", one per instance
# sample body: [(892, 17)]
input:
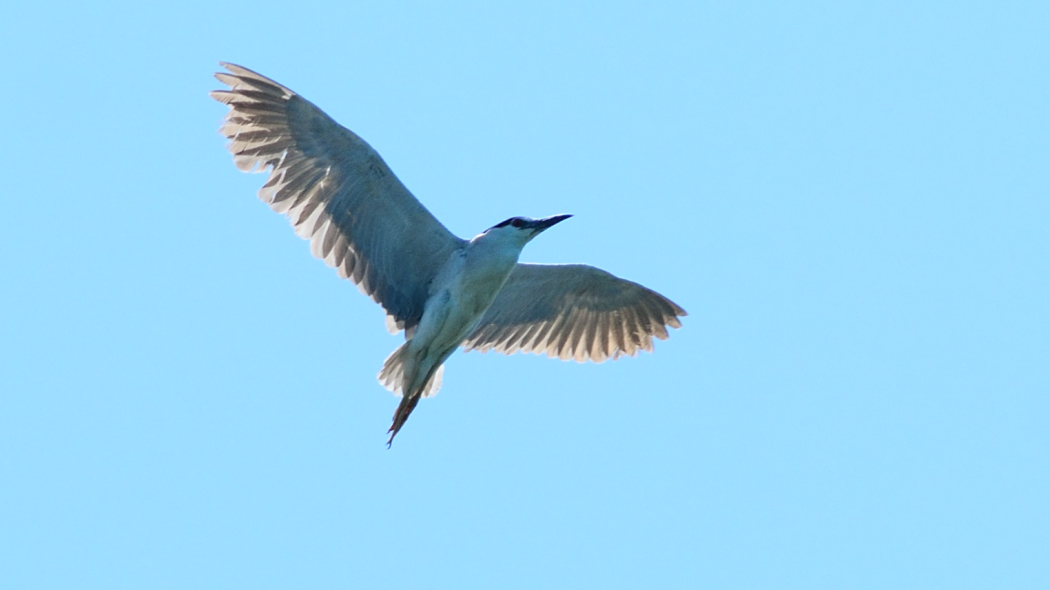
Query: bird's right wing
[(573, 311), (337, 192)]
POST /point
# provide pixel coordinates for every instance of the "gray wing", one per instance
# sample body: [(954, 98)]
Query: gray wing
[(337, 192), (573, 311)]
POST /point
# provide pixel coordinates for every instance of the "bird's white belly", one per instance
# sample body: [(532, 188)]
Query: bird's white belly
[(459, 303), (461, 294), (455, 310)]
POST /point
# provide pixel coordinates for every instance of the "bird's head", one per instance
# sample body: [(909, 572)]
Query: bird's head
[(519, 230)]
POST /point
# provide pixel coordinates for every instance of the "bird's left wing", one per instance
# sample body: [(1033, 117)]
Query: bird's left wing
[(337, 192), (573, 311)]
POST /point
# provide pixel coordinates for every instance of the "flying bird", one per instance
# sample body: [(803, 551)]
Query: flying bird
[(443, 291)]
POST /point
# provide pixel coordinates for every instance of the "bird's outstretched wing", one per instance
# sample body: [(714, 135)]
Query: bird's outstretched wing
[(337, 192), (573, 311)]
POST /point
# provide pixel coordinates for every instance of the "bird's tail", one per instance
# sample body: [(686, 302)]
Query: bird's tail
[(398, 374)]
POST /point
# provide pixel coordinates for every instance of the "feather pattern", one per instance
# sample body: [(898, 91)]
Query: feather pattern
[(337, 192), (573, 311)]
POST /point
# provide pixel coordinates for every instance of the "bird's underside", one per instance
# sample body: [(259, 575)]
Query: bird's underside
[(340, 194)]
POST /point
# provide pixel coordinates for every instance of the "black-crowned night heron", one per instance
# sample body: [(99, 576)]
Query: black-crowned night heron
[(443, 291)]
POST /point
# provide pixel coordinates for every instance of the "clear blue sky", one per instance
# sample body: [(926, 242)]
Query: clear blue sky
[(852, 201)]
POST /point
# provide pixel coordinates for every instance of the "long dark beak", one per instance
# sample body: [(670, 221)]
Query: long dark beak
[(542, 224)]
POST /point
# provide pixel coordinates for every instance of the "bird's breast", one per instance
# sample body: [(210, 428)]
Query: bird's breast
[(477, 287), (459, 297)]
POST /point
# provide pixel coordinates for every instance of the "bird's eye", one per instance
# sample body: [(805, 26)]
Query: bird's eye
[(517, 222)]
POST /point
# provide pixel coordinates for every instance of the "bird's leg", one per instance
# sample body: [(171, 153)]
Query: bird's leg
[(408, 403), (412, 394)]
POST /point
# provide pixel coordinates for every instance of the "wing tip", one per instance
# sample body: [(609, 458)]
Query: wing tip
[(236, 69), (239, 76)]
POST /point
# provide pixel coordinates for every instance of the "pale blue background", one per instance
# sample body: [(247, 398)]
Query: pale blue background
[(851, 199)]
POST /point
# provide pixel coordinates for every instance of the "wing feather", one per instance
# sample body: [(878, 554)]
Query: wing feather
[(631, 325), (573, 311), (337, 192)]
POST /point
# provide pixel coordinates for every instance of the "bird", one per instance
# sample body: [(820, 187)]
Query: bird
[(443, 291)]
